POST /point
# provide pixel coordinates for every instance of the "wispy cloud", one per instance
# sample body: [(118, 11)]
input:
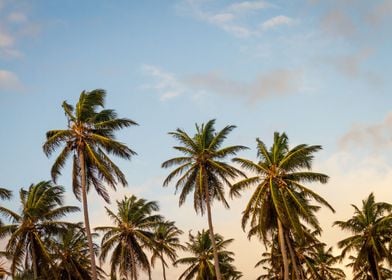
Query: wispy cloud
[(380, 12), (9, 81), (276, 21), (15, 25), (234, 18), (274, 83), (165, 83), (376, 136)]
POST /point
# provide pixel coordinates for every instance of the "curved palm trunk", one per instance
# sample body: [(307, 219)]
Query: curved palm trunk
[(163, 268), (85, 212), (283, 250), (212, 236)]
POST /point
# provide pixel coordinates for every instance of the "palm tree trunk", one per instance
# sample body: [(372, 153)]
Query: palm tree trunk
[(34, 263), (163, 268), (85, 212), (212, 236), (292, 256), (283, 250)]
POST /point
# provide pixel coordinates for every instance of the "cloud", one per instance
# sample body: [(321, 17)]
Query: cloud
[(165, 83), (9, 81), (380, 12), (338, 23), (276, 21), (6, 40), (376, 136), (234, 18), (275, 83)]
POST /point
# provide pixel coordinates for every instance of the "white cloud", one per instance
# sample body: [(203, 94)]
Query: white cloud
[(165, 83), (276, 21), (9, 81), (247, 6), (231, 18)]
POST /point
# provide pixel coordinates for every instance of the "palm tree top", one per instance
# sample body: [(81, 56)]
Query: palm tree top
[(90, 131)]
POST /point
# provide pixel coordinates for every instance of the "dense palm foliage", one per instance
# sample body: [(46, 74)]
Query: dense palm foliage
[(89, 138), (41, 208), (281, 202), (131, 235), (200, 265), (203, 171), (166, 243), (371, 227), (70, 253)]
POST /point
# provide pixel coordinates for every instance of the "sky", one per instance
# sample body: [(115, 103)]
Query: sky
[(317, 70)]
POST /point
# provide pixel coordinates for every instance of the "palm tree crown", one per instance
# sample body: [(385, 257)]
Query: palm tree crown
[(130, 236), (371, 226), (90, 134), (166, 243), (200, 264), (41, 207)]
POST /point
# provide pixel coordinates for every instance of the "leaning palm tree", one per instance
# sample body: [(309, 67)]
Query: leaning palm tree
[(70, 252), (131, 234), (166, 242), (280, 201), (89, 138), (200, 264), (371, 226), (41, 207), (203, 171)]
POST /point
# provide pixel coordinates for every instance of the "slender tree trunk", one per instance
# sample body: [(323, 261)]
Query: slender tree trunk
[(34, 263), (85, 212), (292, 256), (283, 250), (212, 236), (374, 268), (163, 268)]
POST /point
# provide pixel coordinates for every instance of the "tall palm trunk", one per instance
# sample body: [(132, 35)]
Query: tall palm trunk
[(85, 212), (163, 267), (212, 236), (34, 263), (374, 269), (283, 250)]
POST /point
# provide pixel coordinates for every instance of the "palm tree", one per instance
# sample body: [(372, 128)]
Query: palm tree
[(132, 233), (202, 170), (200, 264), (321, 264), (89, 138), (166, 242), (281, 201), (41, 207), (5, 194), (372, 233), (71, 254)]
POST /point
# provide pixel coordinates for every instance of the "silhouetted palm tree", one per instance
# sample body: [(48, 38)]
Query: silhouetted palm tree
[(203, 171), (41, 207), (280, 201), (200, 265), (89, 138), (371, 226), (130, 236), (166, 242)]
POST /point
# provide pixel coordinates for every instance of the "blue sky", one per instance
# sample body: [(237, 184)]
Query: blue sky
[(318, 70)]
